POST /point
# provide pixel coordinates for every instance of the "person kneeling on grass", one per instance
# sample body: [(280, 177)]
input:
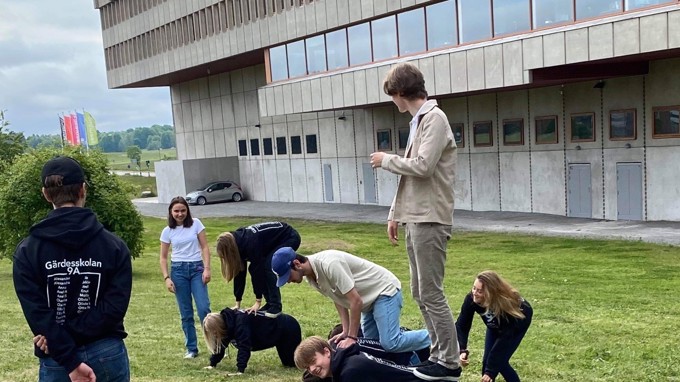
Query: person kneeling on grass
[(250, 332), (507, 317), (316, 356)]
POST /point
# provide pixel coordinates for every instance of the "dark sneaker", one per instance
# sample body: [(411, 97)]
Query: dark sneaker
[(437, 372), (272, 312), (427, 362), (265, 307)]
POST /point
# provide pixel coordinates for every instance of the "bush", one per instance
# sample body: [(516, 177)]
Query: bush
[(22, 203)]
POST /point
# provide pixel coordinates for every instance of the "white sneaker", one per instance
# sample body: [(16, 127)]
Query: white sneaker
[(190, 354)]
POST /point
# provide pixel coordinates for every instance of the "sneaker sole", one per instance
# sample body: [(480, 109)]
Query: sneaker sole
[(431, 378), (271, 315)]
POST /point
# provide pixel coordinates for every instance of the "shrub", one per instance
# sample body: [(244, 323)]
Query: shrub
[(22, 203)]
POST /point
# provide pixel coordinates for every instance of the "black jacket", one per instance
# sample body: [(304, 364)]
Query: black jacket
[(255, 244), (350, 365), (73, 279), (240, 331)]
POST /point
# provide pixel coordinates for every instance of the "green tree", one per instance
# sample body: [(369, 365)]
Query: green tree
[(167, 139), (11, 144), (22, 204), (134, 153)]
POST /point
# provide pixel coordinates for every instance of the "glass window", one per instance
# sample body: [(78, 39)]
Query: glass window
[(635, 4), (384, 38), (384, 140), (359, 44), (513, 132), (295, 145), (510, 16), (316, 54), (475, 17), (267, 146), (442, 29), (403, 138), (336, 47), (277, 63), (549, 12), (483, 133), (242, 148), (458, 134), (281, 145), (254, 147), (622, 125), (296, 59), (583, 127), (546, 130), (586, 9), (311, 143), (667, 122), (411, 31)]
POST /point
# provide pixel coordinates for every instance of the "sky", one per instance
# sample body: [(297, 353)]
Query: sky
[(52, 62)]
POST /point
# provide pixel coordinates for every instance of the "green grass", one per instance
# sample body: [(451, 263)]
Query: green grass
[(120, 161), (604, 310), (140, 184)]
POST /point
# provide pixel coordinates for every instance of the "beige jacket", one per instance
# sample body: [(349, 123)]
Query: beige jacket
[(425, 191)]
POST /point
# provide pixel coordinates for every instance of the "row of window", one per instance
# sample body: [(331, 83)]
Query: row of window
[(120, 10), (445, 24), (281, 147), (622, 126), (217, 18)]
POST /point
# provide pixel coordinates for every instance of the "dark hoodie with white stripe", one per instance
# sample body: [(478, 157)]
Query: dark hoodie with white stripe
[(350, 365)]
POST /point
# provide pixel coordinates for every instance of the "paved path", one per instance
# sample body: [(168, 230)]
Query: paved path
[(538, 224)]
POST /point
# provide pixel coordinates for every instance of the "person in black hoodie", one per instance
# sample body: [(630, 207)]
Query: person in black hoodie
[(507, 317), (73, 279), (250, 332), (255, 244), (315, 355)]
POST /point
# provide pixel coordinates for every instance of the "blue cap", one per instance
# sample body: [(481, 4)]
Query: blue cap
[(281, 261)]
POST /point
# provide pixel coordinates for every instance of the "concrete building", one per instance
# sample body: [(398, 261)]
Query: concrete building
[(566, 107)]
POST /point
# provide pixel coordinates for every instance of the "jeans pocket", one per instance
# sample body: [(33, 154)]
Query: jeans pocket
[(114, 367), (51, 371)]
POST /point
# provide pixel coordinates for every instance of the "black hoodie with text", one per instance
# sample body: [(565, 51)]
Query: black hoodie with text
[(350, 364), (73, 279)]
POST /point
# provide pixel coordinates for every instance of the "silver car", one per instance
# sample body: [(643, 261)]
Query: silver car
[(219, 191)]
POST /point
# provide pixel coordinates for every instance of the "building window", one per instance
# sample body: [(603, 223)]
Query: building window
[(513, 132), (666, 122), (383, 139), (586, 9), (281, 145), (483, 133), (546, 130), (403, 138), (277, 63), (359, 40), (310, 140), (475, 20), (411, 31), (242, 148), (442, 28), (295, 145), (511, 16), (296, 59), (635, 4), (267, 146), (254, 147), (336, 48), (458, 133), (384, 34), (622, 125), (583, 127), (316, 54)]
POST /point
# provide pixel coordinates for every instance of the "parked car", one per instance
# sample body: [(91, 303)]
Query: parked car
[(219, 191)]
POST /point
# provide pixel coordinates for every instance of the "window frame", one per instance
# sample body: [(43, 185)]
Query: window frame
[(378, 135), (664, 108), (557, 128), (521, 131), (634, 137), (477, 124), (593, 127), (460, 125)]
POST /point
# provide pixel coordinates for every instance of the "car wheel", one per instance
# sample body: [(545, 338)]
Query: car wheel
[(236, 197), (200, 201)]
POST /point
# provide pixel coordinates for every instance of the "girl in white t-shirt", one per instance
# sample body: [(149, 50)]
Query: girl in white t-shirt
[(190, 268)]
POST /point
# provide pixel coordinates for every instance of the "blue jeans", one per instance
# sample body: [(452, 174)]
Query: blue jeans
[(382, 323), (188, 279), (108, 359)]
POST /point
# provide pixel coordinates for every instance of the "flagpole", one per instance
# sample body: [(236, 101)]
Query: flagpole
[(61, 130)]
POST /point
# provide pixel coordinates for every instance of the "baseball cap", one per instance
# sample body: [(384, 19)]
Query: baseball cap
[(281, 261), (67, 167)]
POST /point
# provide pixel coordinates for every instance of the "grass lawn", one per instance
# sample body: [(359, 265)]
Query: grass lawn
[(604, 310), (140, 184), (120, 161)]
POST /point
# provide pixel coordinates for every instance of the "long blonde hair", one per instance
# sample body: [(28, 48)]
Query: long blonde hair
[(230, 258), (500, 297), (214, 329)]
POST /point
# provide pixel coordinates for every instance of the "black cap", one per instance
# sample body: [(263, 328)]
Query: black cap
[(67, 167)]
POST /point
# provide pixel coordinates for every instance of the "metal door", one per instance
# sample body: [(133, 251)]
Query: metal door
[(328, 182), (579, 191), (629, 191), (369, 183)]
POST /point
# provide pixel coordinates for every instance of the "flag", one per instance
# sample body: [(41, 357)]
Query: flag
[(62, 129), (81, 129), (67, 128), (74, 129), (91, 129)]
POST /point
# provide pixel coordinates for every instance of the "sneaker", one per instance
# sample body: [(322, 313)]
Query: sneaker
[(427, 362), (437, 372), (190, 354), (272, 312)]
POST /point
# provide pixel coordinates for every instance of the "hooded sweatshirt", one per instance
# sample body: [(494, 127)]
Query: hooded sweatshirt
[(349, 365), (73, 279)]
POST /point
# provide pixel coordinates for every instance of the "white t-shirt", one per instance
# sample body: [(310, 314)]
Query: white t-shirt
[(184, 241), (337, 272)]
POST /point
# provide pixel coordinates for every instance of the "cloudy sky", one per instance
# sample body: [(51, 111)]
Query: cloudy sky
[(52, 62)]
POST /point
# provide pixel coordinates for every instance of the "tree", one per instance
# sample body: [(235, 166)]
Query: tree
[(11, 144), (134, 153), (167, 139), (22, 204)]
